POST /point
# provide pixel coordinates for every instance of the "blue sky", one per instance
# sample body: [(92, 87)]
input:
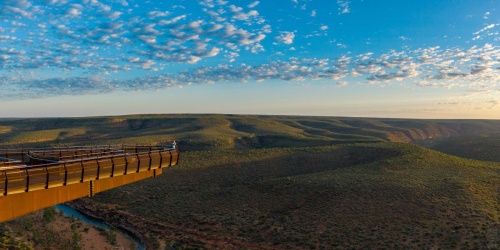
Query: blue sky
[(417, 59)]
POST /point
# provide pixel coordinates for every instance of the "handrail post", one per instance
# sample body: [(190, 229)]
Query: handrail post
[(138, 162), (150, 160), (161, 158), (126, 164), (27, 180), (112, 167), (6, 182), (83, 171), (98, 168), (65, 174), (47, 178)]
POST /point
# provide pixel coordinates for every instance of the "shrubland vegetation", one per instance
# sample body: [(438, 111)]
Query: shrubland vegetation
[(202, 132), (481, 146), (8, 241), (39, 231), (49, 229), (348, 196), (296, 182)]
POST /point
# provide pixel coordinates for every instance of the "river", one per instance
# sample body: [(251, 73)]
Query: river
[(69, 211)]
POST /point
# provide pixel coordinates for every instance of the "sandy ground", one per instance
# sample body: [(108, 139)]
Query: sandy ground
[(93, 239)]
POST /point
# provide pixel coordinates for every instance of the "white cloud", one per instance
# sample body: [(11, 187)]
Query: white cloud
[(193, 59), (7, 38), (213, 52), (426, 67), (207, 3), (73, 12), (253, 4), (114, 14), (147, 64), (110, 42), (266, 28), (221, 2), (129, 36), (134, 59), (487, 27), (172, 20), (156, 13), (343, 6), (18, 24), (122, 2), (286, 37), (238, 13)]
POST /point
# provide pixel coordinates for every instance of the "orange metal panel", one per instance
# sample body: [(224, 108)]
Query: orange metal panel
[(105, 168), (144, 162), (74, 170), (158, 171), (16, 181), (132, 164), (119, 166), (175, 157), (12, 206), (2, 182), (166, 157), (90, 170), (37, 178), (56, 175), (109, 183), (155, 159)]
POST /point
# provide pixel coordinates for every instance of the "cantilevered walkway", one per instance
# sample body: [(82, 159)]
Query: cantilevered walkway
[(32, 179)]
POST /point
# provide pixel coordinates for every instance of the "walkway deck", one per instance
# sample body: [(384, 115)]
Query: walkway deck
[(33, 179)]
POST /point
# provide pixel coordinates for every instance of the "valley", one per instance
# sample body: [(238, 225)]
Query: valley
[(293, 182)]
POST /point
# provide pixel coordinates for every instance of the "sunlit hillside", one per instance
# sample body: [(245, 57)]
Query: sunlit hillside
[(282, 182), (200, 132)]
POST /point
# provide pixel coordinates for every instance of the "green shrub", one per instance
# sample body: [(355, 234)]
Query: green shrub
[(49, 214)]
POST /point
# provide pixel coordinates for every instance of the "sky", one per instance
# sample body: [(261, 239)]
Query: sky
[(361, 58)]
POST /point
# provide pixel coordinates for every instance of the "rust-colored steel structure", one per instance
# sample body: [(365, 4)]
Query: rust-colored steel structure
[(32, 179)]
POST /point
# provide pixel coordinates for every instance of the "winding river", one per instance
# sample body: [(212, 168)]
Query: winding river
[(69, 211)]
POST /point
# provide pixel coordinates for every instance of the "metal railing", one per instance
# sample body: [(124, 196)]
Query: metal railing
[(63, 166)]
